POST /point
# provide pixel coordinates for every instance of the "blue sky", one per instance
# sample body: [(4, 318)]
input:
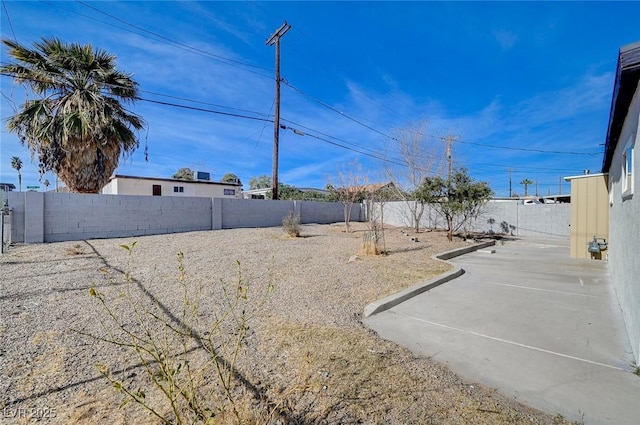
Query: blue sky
[(508, 79)]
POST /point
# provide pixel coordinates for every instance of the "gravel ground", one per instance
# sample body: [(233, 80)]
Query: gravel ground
[(306, 359)]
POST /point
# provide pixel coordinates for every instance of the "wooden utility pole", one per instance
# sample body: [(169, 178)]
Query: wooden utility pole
[(510, 175), (275, 39)]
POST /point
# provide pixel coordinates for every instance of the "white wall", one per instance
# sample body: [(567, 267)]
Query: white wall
[(528, 220), (624, 229), (142, 186)]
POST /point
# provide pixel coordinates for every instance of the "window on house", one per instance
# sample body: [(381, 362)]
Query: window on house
[(157, 190), (178, 189), (627, 168), (229, 191)]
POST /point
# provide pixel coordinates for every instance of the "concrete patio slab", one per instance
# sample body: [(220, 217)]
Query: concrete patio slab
[(533, 323)]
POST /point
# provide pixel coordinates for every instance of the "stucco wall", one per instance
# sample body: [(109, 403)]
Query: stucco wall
[(624, 229), (528, 220), (51, 217), (142, 186), (589, 213)]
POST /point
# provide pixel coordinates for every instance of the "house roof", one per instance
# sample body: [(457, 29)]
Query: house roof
[(584, 176), (627, 77), (120, 176), (7, 186), (368, 188)]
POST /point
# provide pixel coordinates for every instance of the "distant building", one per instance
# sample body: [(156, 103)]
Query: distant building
[(262, 193), (7, 187), (152, 186), (265, 193)]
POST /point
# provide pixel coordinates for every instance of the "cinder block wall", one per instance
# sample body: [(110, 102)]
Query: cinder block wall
[(70, 216), (528, 220), (399, 214), (53, 217), (326, 212), (254, 212), (16, 204)]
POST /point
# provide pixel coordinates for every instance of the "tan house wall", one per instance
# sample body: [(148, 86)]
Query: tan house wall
[(589, 213)]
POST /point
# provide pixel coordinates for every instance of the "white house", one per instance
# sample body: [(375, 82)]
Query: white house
[(152, 186), (621, 162)]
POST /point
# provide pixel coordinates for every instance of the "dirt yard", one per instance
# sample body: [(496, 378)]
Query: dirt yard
[(305, 357)]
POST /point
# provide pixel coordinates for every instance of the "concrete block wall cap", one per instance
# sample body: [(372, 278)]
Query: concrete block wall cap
[(402, 296)]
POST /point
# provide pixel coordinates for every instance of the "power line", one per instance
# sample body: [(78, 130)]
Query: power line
[(336, 110), (323, 65), (232, 61), (372, 155), (4, 5), (440, 137), (211, 111), (332, 137), (176, 105), (203, 103), (529, 149), (225, 60), (222, 58)]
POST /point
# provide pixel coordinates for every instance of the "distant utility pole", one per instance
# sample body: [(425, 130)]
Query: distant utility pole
[(510, 176), (560, 186), (449, 139), (275, 39)]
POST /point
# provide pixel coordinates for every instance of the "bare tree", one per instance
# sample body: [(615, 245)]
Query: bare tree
[(350, 189), (375, 197), (412, 157)]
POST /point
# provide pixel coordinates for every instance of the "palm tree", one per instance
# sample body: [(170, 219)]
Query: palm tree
[(526, 183), (46, 184), (77, 125), (16, 164)]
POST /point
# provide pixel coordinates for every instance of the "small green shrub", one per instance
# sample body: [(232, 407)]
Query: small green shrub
[(291, 224)]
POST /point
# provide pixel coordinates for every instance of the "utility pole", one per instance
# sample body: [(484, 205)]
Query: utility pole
[(560, 185), (449, 139), (275, 39), (510, 175)]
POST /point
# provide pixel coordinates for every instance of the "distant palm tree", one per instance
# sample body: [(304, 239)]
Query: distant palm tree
[(16, 164), (78, 125), (46, 184), (526, 183)]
